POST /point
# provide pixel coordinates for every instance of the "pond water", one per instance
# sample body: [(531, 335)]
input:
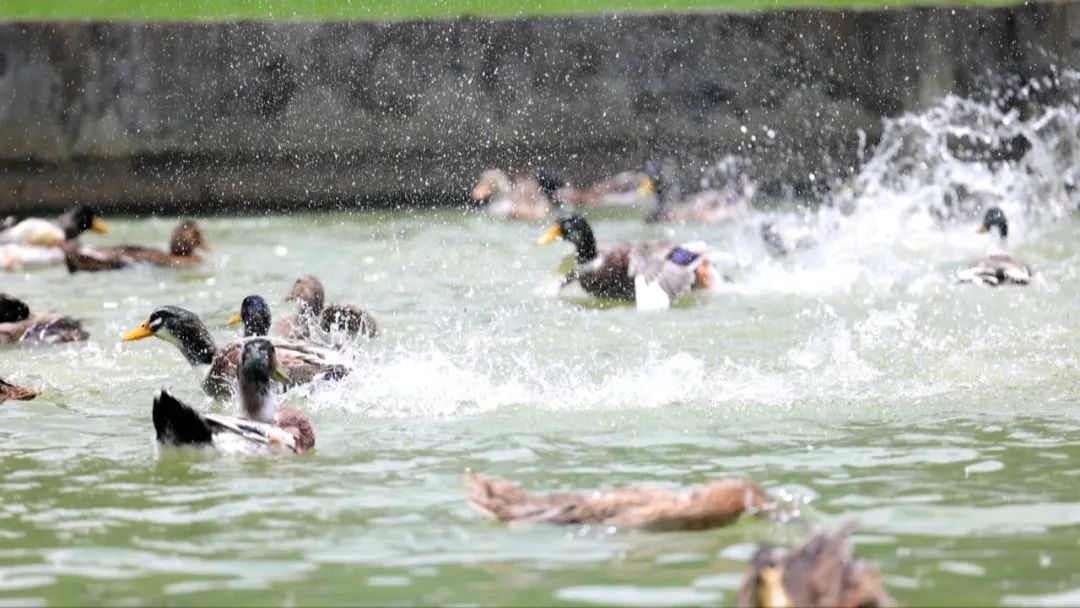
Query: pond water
[(854, 379)]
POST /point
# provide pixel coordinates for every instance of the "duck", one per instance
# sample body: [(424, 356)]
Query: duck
[(263, 428), (710, 206), (527, 198), (343, 319), (255, 315), (998, 267), (18, 325), (822, 571), (185, 239), (625, 189), (652, 274), (711, 505), (303, 362), (43, 232), (9, 391)]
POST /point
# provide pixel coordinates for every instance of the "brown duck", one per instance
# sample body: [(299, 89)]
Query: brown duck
[(15, 392), (185, 239), (18, 325), (822, 571), (310, 295), (712, 505)]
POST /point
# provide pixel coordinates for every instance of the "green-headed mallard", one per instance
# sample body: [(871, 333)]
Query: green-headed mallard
[(302, 362), (653, 274), (712, 505), (310, 297), (38, 231), (264, 427), (15, 392), (18, 325), (185, 239), (255, 315), (527, 198), (822, 571), (711, 206), (998, 267)]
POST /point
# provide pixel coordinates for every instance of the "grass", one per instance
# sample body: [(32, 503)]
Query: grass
[(372, 10)]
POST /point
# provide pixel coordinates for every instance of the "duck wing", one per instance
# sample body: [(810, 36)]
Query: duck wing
[(996, 269), (348, 320), (50, 328), (178, 424), (662, 273), (715, 504), (303, 361)]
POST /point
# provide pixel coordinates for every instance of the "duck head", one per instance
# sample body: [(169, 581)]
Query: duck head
[(309, 292), (255, 315), (12, 310), (258, 368), (549, 183), (181, 328), (575, 229), (765, 582), (186, 238), (994, 218), (79, 219), (493, 183)]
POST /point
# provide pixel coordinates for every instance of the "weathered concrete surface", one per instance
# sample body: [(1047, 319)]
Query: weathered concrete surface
[(163, 117)]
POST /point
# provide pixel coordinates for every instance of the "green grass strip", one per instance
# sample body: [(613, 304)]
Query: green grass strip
[(380, 10)]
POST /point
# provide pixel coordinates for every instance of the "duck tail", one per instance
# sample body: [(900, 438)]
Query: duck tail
[(178, 424), (497, 499)]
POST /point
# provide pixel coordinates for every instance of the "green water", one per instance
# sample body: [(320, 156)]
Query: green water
[(944, 417)]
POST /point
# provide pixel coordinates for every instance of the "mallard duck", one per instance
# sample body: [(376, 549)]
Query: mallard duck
[(524, 199), (822, 571), (255, 315), (998, 267), (652, 274), (310, 295), (18, 325), (709, 206), (264, 428), (15, 393), (185, 239), (39, 231), (303, 362), (712, 505), (626, 189)]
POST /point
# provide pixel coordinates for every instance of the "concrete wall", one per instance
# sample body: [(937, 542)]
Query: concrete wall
[(164, 117)]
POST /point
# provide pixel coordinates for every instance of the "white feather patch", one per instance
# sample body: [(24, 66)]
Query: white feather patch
[(650, 296)]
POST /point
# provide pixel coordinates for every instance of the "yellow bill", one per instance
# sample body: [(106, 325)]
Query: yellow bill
[(140, 332), (233, 320), (982, 228), (771, 593), (549, 237), (280, 375), (98, 225), (481, 192), (647, 187)]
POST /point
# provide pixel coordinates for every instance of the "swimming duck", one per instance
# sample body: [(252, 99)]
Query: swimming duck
[(998, 267), (310, 295), (18, 325), (302, 362), (712, 505), (185, 239), (264, 428), (38, 231), (15, 393), (524, 199), (651, 274), (626, 189), (821, 572), (710, 206), (255, 315)]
